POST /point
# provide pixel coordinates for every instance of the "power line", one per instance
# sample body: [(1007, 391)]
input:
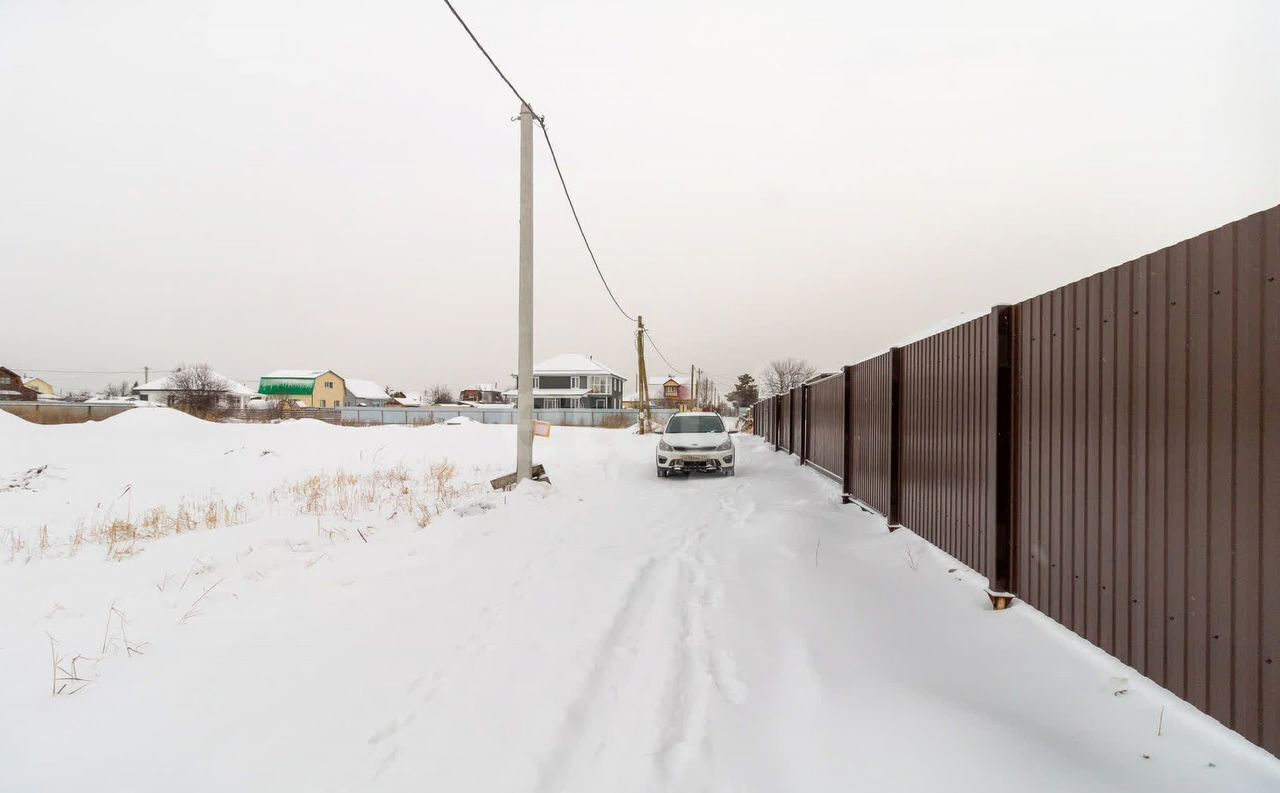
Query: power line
[(654, 344), (85, 371), (542, 123), (718, 381), (488, 57), (717, 378)]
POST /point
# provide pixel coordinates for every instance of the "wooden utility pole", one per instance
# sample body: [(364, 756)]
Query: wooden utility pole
[(524, 381), (642, 388)]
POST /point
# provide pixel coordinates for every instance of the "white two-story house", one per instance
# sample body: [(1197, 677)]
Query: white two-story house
[(573, 381)]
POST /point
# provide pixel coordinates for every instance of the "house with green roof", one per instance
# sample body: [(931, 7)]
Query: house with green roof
[(312, 388)]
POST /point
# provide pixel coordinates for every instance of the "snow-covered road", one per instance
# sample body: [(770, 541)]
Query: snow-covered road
[(612, 632)]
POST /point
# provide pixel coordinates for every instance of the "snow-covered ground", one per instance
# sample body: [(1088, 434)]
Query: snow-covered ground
[(301, 607)]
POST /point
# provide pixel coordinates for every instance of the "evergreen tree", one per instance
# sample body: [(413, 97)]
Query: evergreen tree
[(745, 392)]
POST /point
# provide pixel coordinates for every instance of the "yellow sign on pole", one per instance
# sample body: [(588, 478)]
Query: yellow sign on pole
[(542, 429)]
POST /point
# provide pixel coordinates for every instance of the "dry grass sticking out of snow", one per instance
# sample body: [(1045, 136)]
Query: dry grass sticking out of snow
[(393, 492), (420, 494)]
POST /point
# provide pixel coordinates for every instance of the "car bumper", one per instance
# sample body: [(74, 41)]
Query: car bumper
[(695, 461)]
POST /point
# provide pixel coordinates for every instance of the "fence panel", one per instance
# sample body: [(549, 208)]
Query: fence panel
[(797, 420), (825, 431), (948, 441), (62, 412), (784, 422), (766, 412), (870, 420), (1148, 508)]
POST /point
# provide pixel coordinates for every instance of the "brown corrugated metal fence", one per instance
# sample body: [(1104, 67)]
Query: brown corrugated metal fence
[(947, 441), (797, 422), (825, 426), (1148, 426), (784, 418), (1109, 450), (869, 451)]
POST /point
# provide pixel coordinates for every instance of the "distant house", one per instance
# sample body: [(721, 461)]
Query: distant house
[(39, 386), (573, 381), (664, 392), (366, 394), (12, 389), (405, 399), (313, 388), (482, 394), (162, 392)]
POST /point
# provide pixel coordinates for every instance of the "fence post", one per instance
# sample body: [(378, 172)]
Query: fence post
[(1002, 491), (777, 422), (846, 432), (895, 438), (797, 415), (804, 425)]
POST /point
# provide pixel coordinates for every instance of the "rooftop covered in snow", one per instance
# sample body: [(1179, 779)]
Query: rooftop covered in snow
[(166, 384), (365, 389), (573, 363)]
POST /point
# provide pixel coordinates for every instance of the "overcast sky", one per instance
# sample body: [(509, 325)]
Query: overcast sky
[(335, 185)]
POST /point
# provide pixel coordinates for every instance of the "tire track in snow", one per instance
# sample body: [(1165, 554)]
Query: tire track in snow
[(702, 665), (724, 670), (684, 698), (650, 686), (587, 716)]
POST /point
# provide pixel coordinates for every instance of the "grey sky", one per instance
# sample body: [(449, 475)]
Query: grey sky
[(334, 184)]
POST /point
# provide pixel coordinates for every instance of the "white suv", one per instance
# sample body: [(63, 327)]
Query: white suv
[(695, 442)]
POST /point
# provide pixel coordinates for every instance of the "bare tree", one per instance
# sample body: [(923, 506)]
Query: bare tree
[(439, 394), (118, 389), (197, 389), (781, 376)]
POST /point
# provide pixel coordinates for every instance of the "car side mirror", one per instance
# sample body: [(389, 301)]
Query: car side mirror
[(733, 432)]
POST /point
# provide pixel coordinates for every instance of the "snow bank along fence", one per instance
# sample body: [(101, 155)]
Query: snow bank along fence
[(1108, 451), (62, 412)]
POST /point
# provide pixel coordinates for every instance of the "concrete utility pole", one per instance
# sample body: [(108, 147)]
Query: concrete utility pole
[(693, 390), (642, 388), (524, 384), (146, 377)]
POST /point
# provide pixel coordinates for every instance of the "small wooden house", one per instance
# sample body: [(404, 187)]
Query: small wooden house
[(12, 388)]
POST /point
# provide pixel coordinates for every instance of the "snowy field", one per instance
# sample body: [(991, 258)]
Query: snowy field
[(192, 607)]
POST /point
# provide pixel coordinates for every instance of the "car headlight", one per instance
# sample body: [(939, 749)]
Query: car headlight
[(726, 446), (663, 446)]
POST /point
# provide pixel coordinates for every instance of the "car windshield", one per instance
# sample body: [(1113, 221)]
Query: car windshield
[(688, 424)]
